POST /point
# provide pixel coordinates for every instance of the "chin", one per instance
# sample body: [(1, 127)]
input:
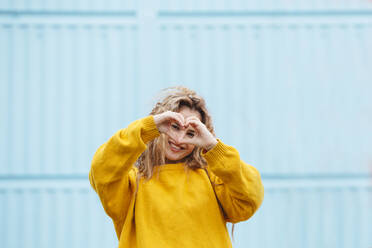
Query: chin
[(172, 157)]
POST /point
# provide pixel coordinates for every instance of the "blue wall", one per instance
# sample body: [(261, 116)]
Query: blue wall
[(287, 83)]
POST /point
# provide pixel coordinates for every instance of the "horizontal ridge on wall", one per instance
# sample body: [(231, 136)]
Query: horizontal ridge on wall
[(319, 178), (273, 13), (206, 8), (68, 6), (80, 13), (265, 5), (188, 14)]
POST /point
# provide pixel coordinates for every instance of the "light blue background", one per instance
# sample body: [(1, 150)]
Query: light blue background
[(288, 83)]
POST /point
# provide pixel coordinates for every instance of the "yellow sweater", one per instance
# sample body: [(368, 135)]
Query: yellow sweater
[(177, 207)]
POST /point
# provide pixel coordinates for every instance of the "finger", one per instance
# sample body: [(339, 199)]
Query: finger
[(193, 118), (182, 119), (178, 118), (192, 121)]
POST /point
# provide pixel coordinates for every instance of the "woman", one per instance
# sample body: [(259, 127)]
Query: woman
[(167, 181)]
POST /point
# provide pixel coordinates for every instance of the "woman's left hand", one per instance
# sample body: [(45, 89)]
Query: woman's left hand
[(203, 137)]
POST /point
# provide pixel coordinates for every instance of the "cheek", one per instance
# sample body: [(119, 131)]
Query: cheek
[(190, 148)]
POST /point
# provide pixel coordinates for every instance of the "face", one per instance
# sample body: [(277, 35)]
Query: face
[(174, 151)]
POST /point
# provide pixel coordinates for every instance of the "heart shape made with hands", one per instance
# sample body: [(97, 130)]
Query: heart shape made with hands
[(179, 133)]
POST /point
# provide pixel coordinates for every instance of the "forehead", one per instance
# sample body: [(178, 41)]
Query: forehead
[(187, 112)]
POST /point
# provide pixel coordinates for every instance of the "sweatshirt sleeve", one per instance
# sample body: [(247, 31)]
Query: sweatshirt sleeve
[(113, 165), (237, 184)]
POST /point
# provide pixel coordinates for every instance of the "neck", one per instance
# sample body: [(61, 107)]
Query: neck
[(167, 161)]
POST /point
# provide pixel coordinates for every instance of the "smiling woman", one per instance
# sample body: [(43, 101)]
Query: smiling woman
[(175, 105), (201, 183)]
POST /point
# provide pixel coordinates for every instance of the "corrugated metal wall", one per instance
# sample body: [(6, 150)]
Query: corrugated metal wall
[(287, 83)]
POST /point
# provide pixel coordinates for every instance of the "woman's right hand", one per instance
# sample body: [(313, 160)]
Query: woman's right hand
[(164, 120)]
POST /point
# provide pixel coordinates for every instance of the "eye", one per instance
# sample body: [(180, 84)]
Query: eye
[(175, 126), (190, 135)]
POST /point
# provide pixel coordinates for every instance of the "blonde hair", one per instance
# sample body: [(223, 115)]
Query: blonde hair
[(172, 99)]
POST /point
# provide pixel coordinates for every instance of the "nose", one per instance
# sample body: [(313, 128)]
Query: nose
[(179, 137)]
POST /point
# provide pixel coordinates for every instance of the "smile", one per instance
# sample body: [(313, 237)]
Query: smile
[(175, 148)]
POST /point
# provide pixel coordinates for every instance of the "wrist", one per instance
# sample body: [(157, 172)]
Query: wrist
[(210, 145)]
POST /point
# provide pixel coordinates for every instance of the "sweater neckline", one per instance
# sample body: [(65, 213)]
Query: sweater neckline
[(170, 166)]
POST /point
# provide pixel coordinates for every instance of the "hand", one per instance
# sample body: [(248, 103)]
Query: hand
[(203, 137), (164, 121)]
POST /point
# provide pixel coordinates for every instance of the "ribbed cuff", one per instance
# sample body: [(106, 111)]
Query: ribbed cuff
[(149, 129), (216, 153)]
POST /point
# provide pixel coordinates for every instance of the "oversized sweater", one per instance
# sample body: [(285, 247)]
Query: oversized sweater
[(177, 207)]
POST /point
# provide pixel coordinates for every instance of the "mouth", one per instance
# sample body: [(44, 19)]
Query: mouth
[(174, 147)]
